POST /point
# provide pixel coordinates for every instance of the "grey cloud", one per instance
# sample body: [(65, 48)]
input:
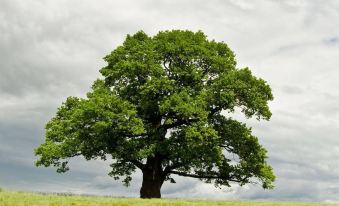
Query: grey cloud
[(331, 40), (292, 90)]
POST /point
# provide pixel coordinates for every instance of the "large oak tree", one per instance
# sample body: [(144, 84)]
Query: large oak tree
[(162, 108)]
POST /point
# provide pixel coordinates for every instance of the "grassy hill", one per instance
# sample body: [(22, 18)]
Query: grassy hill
[(31, 199)]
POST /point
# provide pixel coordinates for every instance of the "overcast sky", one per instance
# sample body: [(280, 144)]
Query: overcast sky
[(50, 50)]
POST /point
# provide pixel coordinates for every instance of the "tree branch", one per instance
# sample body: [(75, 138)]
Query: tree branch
[(179, 123), (169, 168), (137, 164), (133, 135), (214, 110), (204, 176), (228, 148)]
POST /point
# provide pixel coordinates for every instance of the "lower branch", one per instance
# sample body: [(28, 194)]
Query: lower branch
[(204, 176), (138, 164)]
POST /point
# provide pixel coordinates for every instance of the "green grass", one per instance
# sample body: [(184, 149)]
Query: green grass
[(31, 199)]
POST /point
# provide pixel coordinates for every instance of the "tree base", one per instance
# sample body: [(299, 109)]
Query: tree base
[(151, 185)]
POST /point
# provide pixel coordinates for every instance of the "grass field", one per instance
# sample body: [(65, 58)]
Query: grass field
[(31, 199)]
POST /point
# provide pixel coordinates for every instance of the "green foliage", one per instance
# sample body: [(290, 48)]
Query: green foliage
[(160, 102)]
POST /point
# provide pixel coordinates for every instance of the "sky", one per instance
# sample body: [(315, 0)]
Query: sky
[(50, 50)]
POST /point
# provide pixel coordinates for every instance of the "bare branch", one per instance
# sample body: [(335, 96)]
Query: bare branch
[(138, 164), (205, 176), (169, 168)]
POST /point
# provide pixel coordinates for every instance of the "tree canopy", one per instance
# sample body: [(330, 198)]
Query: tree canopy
[(162, 107)]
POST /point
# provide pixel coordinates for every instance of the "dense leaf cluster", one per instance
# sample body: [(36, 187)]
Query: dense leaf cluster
[(161, 106)]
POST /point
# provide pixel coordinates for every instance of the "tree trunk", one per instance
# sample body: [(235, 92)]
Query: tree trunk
[(152, 180)]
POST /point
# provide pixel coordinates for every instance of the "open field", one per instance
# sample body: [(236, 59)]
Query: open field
[(31, 199)]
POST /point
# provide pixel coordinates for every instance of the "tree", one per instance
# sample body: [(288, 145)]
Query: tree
[(162, 108)]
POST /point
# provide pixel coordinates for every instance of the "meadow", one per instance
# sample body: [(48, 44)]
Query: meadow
[(8, 198)]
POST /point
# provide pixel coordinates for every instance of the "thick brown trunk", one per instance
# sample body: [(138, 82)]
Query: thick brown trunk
[(151, 185), (152, 180)]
